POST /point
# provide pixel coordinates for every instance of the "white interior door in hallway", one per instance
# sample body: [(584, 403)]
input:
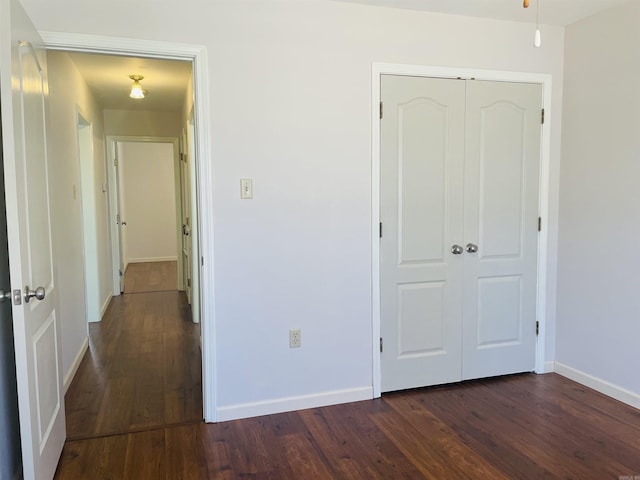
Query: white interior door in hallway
[(33, 293), (459, 211)]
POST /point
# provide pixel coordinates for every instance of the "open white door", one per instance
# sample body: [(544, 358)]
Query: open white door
[(23, 84), (121, 223), (195, 233), (185, 216)]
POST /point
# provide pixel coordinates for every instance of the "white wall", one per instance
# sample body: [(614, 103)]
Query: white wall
[(142, 123), (290, 103), (68, 90), (598, 294), (148, 188)]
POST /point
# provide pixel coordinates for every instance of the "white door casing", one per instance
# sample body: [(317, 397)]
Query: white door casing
[(546, 207), (204, 168), (24, 93), (84, 135), (118, 208), (477, 317)]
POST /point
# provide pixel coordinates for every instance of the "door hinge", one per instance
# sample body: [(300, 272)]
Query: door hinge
[(188, 282), (537, 328), (380, 110), (380, 344), (380, 229), (202, 261), (542, 117), (120, 271), (115, 162), (539, 224)]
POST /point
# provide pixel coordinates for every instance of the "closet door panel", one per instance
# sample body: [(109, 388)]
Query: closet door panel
[(500, 217), (422, 150)]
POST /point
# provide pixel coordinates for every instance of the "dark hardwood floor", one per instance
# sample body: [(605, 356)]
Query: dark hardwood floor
[(142, 370), (151, 277), (518, 427), (134, 411)]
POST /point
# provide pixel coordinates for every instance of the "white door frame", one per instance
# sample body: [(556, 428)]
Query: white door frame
[(378, 69), (114, 208), (204, 168), (90, 260)]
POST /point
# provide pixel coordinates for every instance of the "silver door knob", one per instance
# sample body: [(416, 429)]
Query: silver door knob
[(38, 293), (457, 250), (5, 295), (471, 248)]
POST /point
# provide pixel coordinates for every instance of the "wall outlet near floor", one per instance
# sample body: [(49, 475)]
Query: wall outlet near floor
[(295, 340)]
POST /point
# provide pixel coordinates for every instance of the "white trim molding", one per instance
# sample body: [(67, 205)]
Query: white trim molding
[(289, 404), (598, 384), (111, 154), (197, 54), (549, 367), (173, 258), (73, 369), (378, 69), (105, 305)]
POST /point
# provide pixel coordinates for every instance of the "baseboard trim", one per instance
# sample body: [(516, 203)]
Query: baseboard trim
[(602, 386), (105, 305), (68, 378), (268, 407), (152, 259), (549, 367)]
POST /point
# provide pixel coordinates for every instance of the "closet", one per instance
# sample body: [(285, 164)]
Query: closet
[(459, 210)]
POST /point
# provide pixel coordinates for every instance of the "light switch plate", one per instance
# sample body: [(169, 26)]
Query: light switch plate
[(246, 188)]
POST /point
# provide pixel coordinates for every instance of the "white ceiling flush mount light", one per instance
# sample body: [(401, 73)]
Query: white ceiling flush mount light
[(537, 39), (136, 88)]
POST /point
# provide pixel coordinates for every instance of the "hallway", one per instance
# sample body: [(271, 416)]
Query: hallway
[(151, 277), (143, 366)]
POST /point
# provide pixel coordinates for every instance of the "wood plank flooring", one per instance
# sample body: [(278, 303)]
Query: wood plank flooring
[(142, 370), (151, 277), (517, 427)]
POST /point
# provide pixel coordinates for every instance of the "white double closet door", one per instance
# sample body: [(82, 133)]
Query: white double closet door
[(459, 206)]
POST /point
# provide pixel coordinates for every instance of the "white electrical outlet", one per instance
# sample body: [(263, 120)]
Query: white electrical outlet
[(295, 340)]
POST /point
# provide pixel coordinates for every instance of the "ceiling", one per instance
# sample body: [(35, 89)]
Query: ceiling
[(166, 81), (552, 12)]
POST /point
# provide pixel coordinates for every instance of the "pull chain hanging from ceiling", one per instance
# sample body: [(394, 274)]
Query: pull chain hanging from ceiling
[(537, 40)]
